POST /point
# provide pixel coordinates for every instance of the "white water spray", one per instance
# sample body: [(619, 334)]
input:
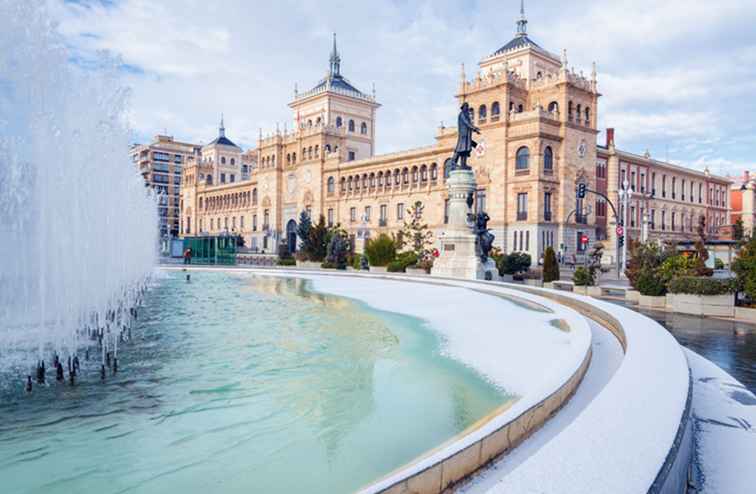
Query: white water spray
[(78, 229)]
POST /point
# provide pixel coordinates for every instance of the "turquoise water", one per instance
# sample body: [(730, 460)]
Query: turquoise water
[(236, 383)]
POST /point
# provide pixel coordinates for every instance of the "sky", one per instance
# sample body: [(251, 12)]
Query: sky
[(677, 78)]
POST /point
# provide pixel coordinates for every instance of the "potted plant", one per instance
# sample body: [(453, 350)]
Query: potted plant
[(582, 278), (380, 251), (703, 296)]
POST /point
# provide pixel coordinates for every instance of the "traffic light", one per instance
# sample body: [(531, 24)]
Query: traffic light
[(621, 240), (581, 191)]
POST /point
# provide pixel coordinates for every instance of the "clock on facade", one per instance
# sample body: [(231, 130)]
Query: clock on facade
[(582, 149)]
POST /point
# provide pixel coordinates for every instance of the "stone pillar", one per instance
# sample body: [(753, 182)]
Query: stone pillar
[(459, 254)]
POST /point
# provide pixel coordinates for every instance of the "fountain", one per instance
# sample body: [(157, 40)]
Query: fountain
[(78, 227)]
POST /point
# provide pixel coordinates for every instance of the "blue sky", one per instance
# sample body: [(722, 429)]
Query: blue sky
[(678, 77)]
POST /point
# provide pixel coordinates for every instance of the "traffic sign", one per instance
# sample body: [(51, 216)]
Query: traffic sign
[(584, 239), (620, 230)]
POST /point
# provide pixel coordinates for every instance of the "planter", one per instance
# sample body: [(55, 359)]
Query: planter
[(704, 305), (378, 269), (308, 264), (651, 302), (538, 283), (745, 314), (508, 278), (632, 296), (580, 290), (416, 271), (595, 291)]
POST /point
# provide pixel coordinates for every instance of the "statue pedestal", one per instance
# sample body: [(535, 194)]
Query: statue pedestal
[(459, 256)]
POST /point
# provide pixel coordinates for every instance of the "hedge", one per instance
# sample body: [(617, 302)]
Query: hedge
[(287, 261), (701, 286)]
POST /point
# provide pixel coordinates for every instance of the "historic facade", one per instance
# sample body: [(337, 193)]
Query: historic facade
[(537, 142)]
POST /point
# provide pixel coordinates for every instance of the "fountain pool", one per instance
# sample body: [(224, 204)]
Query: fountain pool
[(247, 383)]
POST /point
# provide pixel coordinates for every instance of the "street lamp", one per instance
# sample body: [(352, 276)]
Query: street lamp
[(625, 194)]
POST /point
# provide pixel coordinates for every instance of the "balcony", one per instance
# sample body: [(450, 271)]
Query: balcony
[(522, 215)]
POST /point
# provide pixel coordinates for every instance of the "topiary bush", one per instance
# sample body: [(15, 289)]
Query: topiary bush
[(287, 261), (381, 250), (583, 277), (514, 263), (697, 285), (395, 266), (550, 266), (650, 284)]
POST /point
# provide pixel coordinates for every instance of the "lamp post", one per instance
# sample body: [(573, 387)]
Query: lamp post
[(625, 194)]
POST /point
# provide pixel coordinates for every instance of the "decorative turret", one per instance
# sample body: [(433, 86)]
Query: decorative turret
[(522, 24), (335, 60), (221, 128)]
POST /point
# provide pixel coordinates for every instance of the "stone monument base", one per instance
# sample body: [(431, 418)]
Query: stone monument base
[(458, 258)]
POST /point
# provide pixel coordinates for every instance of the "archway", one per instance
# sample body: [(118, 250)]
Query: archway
[(291, 236)]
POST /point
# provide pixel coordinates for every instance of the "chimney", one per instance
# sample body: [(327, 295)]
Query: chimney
[(610, 137)]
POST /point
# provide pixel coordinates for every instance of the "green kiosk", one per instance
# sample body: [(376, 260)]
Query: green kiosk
[(212, 250)]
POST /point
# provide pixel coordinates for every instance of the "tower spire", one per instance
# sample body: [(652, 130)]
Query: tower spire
[(221, 129), (335, 60), (522, 24)]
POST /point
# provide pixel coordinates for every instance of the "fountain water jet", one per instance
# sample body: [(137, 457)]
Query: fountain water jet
[(79, 228)]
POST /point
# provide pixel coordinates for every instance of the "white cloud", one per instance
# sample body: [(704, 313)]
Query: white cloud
[(670, 71)]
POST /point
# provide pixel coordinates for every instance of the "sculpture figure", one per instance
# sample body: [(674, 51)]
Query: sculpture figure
[(485, 237), (465, 143)]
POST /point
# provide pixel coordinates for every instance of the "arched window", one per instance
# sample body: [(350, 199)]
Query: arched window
[(309, 152), (578, 113), (351, 125), (472, 113), (380, 179), (328, 148), (363, 128), (331, 185), (200, 203), (553, 107), (414, 174), (482, 113), (317, 150), (309, 123), (523, 159), (423, 173), (511, 106), (548, 158), (273, 160), (569, 110), (396, 177), (405, 176), (233, 161), (364, 181), (318, 121), (495, 110), (338, 122), (587, 116), (372, 180), (434, 170), (349, 183), (223, 160), (288, 158)]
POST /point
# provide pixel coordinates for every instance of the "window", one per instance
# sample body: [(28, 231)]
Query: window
[(352, 214), (632, 181), (553, 107), (223, 160), (351, 156), (700, 193), (266, 219), (363, 128), (368, 211), (522, 206), (254, 196), (212, 223), (384, 213), (652, 219), (673, 220), (548, 159), (330, 217), (254, 222), (233, 161), (632, 216), (434, 172), (351, 125), (643, 182), (664, 194), (400, 211), (674, 184), (587, 116), (682, 190), (446, 211), (331, 185), (232, 178), (338, 122), (495, 111), (523, 159), (223, 178), (482, 114), (547, 206)]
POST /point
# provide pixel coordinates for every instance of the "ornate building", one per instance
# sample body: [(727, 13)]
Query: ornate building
[(538, 140)]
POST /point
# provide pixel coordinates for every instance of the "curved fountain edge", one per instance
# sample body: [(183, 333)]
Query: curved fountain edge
[(658, 468)]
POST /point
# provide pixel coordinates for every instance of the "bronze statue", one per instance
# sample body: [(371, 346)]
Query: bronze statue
[(465, 143), (485, 237)]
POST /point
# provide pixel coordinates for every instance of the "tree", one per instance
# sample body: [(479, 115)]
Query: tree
[(550, 266), (415, 234), (303, 232), (319, 236), (745, 268), (738, 232), (702, 254)]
